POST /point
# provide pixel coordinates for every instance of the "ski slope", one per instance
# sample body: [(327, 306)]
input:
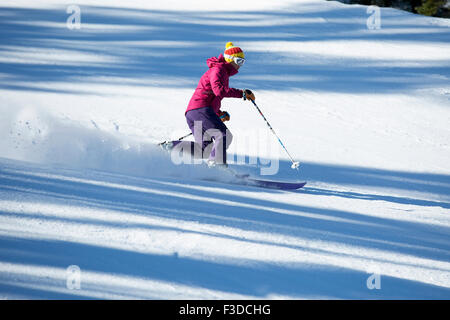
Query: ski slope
[(366, 112)]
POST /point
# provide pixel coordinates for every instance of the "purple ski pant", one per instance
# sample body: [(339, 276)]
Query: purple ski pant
[(212, 137)]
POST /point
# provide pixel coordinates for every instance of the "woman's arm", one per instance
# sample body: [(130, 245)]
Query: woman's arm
[(219, 87)]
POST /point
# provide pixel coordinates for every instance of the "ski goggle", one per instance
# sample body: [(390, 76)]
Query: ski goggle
[(239, 61)]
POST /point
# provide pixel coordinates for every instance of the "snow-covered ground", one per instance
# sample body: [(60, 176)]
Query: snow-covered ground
[(366, 112)]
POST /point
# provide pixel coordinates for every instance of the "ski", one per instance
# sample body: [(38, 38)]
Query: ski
[(246, 179), (271, 184)]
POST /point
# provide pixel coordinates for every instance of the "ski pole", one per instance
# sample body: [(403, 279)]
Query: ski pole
[(167, 141), (184, 137), (295, 164)]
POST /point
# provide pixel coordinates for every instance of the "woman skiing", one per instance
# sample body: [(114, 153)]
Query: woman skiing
[(203, 114)]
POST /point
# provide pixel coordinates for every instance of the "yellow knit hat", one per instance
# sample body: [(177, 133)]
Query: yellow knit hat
[(232, 51)]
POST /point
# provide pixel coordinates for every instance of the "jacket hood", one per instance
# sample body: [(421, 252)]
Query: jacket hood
[(220, 62)]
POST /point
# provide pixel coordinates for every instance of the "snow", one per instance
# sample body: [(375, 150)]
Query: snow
[(366, 113)]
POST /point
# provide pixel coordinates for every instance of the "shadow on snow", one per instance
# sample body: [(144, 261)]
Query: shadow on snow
[(174, 45), (240, 212)]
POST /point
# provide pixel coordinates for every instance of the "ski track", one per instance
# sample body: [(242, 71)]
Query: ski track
[(366, 112)]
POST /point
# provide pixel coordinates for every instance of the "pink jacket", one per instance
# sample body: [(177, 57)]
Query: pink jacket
[(213, 85)]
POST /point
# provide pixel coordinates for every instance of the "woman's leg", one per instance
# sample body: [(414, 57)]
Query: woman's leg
[(207, 127)]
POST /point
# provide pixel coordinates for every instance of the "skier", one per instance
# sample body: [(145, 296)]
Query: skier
[(203, 114)]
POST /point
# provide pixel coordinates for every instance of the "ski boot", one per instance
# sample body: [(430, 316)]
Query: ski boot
[(214, 164)]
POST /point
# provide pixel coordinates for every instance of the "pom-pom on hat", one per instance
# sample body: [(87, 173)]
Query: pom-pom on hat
[(232, 51)]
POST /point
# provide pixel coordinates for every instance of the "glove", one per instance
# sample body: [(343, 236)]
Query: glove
[(248, 95), (224, 116)]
